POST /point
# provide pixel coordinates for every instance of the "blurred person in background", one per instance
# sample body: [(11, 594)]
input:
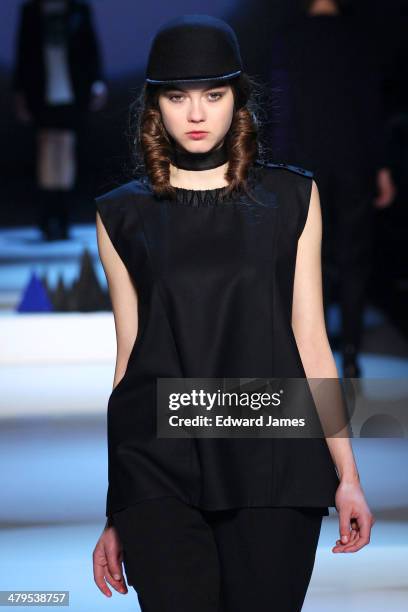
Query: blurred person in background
[(57, 79), (326, 73), (391, 258)]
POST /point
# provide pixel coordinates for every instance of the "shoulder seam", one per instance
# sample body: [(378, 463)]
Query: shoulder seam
[(290, 167), (123, 190)]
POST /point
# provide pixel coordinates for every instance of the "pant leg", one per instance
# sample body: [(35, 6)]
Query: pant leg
[(266, 557), (170, 556), (54, 211)]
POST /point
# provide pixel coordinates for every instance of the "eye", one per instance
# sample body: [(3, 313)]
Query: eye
[(171, 97), (215, 93)]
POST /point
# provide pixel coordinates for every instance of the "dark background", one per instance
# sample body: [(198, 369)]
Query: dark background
[(125, 33)]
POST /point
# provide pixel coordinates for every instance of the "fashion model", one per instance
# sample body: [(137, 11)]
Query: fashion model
[(212, 258)]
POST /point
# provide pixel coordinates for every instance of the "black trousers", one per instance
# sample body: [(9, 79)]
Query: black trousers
[(179, 558)]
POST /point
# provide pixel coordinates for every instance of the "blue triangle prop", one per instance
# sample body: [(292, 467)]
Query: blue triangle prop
[(35, 297)]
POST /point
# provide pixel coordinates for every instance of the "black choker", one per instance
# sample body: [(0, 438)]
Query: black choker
[(199, 161)]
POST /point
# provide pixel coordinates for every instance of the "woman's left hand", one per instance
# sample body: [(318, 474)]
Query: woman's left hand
[(355, 517)]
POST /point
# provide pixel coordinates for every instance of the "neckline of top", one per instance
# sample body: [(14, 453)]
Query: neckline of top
[(213, 197), (199, 190), (201, 197)]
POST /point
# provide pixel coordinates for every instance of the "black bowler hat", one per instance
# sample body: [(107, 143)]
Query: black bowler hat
[(194, 48)]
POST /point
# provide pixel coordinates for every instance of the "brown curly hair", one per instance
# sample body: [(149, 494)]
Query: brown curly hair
[(151, 144)]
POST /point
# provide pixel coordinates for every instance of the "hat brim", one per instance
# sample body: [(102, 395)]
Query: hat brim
[(223, 77)]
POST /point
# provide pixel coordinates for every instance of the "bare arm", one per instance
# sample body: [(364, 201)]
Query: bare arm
[(108, 552), (123, 297), (309, 326), (311, 337)]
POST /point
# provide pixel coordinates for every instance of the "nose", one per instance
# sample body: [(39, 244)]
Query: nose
[(196, 111)]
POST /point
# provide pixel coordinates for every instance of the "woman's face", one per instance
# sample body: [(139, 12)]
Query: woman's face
[(206, 108)]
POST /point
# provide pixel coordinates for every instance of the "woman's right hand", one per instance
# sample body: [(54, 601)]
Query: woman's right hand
[(107, 562)]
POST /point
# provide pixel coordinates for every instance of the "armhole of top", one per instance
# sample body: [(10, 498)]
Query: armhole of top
[(305, 198), (109, 213)]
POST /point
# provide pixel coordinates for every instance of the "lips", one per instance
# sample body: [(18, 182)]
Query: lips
[(196, 132)]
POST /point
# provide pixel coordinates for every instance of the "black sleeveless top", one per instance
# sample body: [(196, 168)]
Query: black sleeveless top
[(214, 279)]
